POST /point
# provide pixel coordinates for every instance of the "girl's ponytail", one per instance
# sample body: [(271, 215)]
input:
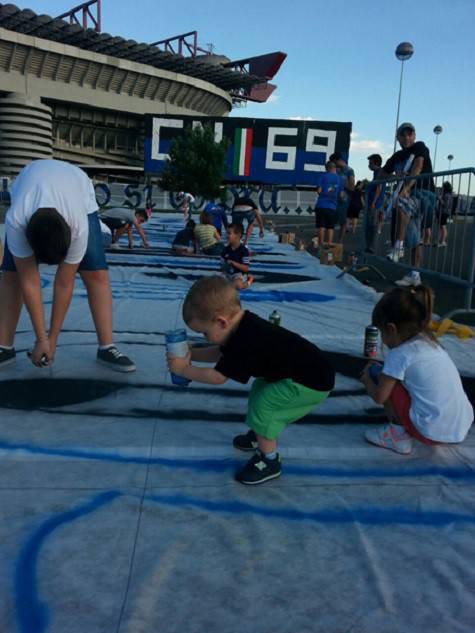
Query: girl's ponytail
[(409, 309)]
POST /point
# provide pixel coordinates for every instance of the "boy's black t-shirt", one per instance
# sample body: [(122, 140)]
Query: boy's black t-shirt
[(397, 162), (261, 349), (239, 254)]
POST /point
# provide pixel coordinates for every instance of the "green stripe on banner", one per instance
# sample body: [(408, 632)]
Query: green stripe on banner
[(237, 150)]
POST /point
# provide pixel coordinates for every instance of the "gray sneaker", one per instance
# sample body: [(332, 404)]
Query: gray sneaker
[(112, 358), (7, 356)]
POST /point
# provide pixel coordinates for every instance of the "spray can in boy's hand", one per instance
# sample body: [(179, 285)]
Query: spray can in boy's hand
[(274, 317), (177, 345)]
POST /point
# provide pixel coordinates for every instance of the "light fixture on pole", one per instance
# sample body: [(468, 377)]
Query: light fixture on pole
[(437, 130), (450, 158), (403, 52)]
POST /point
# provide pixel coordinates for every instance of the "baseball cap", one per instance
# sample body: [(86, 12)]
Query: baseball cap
[(405, 126)]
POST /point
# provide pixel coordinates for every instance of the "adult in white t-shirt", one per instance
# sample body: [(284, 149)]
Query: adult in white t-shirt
[(53, 219)]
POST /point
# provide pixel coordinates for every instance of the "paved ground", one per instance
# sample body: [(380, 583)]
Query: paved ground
[(448, 295)]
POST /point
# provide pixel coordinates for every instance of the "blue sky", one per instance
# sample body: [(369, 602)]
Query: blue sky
[(341, 64)]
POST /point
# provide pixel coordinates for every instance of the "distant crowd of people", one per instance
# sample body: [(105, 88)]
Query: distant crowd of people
[(414, 207)]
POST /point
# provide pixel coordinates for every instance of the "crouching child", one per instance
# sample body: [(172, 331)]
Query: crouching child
[(292, 376)]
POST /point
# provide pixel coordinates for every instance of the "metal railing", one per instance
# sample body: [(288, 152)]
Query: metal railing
[(431, 230)]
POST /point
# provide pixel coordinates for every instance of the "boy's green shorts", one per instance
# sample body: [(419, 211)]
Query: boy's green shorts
[(274, 405)]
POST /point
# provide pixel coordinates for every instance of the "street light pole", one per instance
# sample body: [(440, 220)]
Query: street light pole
[(403, 51), (437, 130), (450, 158)]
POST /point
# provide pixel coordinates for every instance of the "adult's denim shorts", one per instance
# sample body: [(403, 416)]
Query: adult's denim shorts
[(239, 216), (94, 257)]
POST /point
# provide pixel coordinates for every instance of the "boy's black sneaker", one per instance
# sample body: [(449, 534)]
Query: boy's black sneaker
[(7, 356), (247, 442), (112, 358), (259, 469)]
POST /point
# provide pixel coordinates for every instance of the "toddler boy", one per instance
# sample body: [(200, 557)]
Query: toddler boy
[(292, 376), (235, 259)]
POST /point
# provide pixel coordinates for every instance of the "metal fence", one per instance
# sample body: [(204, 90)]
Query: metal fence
[(425, 223)]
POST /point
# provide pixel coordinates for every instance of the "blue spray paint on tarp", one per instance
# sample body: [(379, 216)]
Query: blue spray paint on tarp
[(364, 515), (225, 465), (32, 614), (288, 296)]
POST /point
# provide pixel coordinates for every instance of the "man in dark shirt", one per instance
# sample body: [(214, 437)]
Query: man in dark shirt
[(292, 376), (414, 200), (246, 209), (184, 240)]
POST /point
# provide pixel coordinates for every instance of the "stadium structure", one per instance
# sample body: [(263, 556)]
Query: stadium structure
[(70, 91)]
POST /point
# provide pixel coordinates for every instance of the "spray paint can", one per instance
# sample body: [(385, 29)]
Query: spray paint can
[(274, 317), (177, 345), (371, 339)]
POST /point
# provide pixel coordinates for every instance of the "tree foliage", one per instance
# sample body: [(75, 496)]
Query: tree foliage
[(196, 163)]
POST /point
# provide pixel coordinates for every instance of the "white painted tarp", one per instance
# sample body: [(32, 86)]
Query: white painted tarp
[(118, 505)]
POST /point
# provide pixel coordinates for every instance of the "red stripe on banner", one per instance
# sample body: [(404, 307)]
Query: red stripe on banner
[(247, 159)]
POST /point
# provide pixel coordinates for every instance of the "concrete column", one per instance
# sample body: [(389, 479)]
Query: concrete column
[(25, 132)]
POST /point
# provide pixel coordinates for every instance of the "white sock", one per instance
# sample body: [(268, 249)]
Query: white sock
[(6, 346), (271, 455), (102, 347), (399, 244)]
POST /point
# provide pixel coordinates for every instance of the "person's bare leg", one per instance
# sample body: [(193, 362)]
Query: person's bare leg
[(321, 236), (402, 222), (265, 445), (11, 302), (239, 284), (416, 256), (248, 232), (330, 233), (118, 233), (343, 229), (99, 295)]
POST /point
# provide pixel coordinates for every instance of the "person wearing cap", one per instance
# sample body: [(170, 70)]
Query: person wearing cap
[(414, 200), (374, 203), (347, 176)]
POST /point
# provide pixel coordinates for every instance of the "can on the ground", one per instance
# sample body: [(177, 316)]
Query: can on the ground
[(371, 339), (274, 317), (177, 344)]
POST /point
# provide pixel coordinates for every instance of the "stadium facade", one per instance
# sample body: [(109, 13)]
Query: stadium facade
[(78, 94)]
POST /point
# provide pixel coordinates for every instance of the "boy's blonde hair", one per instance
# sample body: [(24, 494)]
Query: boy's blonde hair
[(208, 297)]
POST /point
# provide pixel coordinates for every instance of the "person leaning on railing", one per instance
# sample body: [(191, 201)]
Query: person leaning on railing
[(414, 199)]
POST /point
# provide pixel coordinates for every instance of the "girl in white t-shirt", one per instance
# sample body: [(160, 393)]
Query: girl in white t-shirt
[(418, 384)]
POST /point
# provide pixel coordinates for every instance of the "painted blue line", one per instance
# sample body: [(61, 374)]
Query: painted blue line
[(32, 614), (226, 465), (281, 296), (367, 516)]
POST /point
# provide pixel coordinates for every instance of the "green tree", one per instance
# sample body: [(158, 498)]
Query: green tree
[(196, 163)]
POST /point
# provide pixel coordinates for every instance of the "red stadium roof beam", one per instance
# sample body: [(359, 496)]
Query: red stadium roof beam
[(86, 15), (266, 66)]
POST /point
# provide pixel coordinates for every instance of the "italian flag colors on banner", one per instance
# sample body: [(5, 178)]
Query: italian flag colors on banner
[(242, 151)]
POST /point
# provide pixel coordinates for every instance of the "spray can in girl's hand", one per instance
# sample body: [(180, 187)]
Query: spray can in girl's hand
[(177, 345), (371, 338)]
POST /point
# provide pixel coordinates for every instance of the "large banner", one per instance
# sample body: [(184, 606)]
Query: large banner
[(264, 151)]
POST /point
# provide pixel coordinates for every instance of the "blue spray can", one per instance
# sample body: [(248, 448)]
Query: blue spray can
[(177, 345)]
